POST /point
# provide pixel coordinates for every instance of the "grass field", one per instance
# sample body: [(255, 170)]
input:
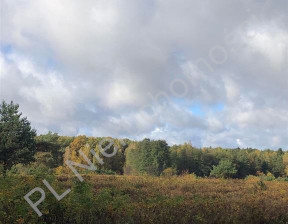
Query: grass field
[(145, 199)]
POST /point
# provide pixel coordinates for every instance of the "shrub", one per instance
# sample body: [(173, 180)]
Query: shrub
[(259, 186), (168, 172), (225, 169), (269, 177)]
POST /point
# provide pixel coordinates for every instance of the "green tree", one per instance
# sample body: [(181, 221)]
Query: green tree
[(186, 158), (116, 161), (17, 139), (147, 157), (225, 169), (48, 150), (277, 166), (243, 164)]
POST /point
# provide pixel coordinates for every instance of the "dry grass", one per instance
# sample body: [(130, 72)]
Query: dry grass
[(145, 199)]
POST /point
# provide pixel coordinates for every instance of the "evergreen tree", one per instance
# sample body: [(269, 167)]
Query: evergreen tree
[(17, 139)]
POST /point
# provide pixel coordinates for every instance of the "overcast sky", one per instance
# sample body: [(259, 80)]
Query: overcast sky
[(213, 73)]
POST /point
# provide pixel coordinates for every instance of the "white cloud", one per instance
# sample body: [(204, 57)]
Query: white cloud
[(92, 66), (104, 14), (46, 91), (272, 44)]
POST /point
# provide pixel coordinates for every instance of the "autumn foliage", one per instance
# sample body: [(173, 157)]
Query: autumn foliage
[(146, 199)]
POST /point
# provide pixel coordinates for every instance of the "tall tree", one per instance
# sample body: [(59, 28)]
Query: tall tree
[(17, 139), (148, 157), (187, 158), (112, 162)]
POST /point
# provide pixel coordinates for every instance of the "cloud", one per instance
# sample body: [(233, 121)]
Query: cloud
[(272, 44), (144, 68)]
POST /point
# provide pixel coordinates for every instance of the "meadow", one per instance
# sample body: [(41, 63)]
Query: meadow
[(130, 182), (146, 199)]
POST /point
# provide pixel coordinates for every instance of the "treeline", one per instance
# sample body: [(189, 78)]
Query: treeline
[(22, 151), (155, 157)]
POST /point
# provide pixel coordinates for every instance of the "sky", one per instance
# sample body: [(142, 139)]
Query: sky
[(212, 73)]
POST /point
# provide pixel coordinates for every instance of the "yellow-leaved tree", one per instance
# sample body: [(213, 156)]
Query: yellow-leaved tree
[(109, 150)]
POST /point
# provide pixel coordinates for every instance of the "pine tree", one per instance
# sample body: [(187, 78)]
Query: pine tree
[(17, 139)]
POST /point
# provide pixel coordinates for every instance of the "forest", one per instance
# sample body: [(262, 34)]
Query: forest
[(153, 157)]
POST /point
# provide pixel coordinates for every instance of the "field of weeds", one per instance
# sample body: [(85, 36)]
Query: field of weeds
[(145, 199)]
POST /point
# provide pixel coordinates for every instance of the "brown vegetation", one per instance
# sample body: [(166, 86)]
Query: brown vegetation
[(146, 199)]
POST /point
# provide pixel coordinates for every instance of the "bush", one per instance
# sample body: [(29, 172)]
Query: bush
[(269, 177), (32, 169), (105, 172), (259, 186), (168, 172), (225, 169), (252, 178)]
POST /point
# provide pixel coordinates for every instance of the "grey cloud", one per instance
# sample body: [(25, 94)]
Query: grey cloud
[(96, 64)]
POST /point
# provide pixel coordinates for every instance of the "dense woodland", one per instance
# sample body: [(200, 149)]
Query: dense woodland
[(155, 157), (22, 152)]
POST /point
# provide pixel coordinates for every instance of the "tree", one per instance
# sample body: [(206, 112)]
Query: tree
[(115, 162), (225, 169), (285, 163), (148, 157), (48, 150), (244, 168), (277, 166), (17, 139), (186, 158)]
